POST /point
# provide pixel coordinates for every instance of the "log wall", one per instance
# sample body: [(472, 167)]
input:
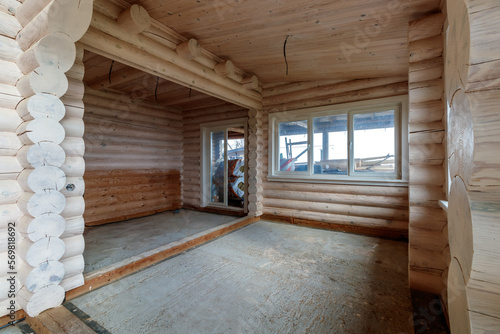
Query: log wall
[(42, 72), (428, 244), (133, 158), (9, 142), (192, 146), (378, 210), (473, 96)]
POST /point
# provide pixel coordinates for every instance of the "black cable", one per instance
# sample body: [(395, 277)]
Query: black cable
[(110, 70), (284, 53)]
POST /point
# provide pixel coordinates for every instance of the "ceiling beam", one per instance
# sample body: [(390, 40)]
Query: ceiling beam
[(105, 37)]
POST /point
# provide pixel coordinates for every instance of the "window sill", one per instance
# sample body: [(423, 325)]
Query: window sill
[(360, 182)]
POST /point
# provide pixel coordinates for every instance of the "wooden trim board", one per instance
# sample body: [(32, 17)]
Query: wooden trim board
[(133, 264), (58, 320), (373, 232)]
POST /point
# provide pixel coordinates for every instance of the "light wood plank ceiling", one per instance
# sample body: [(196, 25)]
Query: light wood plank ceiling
[(327, 39)]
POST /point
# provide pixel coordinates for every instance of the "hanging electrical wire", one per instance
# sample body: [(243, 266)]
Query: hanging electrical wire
[(284, 53), (156, 88), (110, 70)]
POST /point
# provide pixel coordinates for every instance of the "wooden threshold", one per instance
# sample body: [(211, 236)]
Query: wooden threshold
[(133, 264), (393, 234), (220, 211)]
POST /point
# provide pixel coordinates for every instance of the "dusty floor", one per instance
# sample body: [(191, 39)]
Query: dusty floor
[(108, 244), (265, 278)]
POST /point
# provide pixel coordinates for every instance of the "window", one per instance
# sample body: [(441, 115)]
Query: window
[(355, 142)]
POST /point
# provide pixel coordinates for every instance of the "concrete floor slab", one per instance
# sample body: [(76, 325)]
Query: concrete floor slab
[(265, 278), (111, 243)]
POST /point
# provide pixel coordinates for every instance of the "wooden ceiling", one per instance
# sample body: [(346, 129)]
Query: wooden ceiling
[(327, 39), (102, 73)]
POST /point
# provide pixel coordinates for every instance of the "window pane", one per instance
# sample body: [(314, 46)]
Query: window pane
[(374, 138), (330, 145), (217, 167), (236, 167), (293, 146)]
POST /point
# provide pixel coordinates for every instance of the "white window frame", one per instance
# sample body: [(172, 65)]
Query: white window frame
[(400, 178), (205, 162)]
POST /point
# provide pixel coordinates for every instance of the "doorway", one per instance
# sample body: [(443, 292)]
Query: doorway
[(224, 166)]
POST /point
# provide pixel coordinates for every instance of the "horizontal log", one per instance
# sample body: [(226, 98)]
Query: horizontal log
[(125, 103), (396, 89), (41, 106), (11, 191), (43, 250), (9, 144), (68, 17), (73, 127), (157, 189), (49, 225), (73, 146), (10, 74), (42, 179), (40, 130), (425, 70), (74, 246), (94, 204), (74, 166), (335, 208), (373, 223), (73, 282), (425, 27), (424, 195), (41, 154), (427, 218), (337, 189), (9, 213), (132, 117), (73, 265), (9, 26), (427, 175), (9, 168), (74, 187), (94, 220), (426, 91), (75, 207), (53, 50), (426, 154), (428, 48), (74, 227), (330, 90), (340, 198), (126, 208), (9, 49), (426, 280), (44, 79), (45, 274), (35, 303), (424, 258), (37, 204), (9, 97), (29, 9), (106, 164), (10, 120), (427, 239)]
